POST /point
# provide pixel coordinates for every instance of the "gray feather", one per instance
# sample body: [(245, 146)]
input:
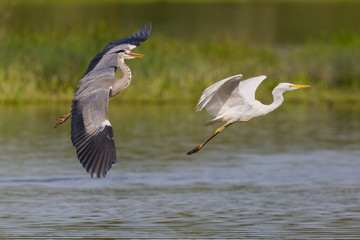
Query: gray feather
[(135, 39), (92, 134)]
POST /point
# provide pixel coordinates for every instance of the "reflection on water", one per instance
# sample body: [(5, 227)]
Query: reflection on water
[(292, 174)]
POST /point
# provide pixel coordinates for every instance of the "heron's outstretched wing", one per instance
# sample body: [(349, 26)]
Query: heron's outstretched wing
[(105, 61), (214, 97), (91, 131)]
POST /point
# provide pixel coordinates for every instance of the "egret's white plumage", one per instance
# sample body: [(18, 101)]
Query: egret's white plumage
[(231, 100)]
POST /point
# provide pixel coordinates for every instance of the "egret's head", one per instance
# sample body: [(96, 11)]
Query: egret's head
[(284, 87), (127, 54)]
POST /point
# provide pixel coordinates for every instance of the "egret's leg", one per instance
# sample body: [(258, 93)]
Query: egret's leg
[(62, 119), (217, 131)]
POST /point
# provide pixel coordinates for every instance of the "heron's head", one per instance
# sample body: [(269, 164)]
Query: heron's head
[(284, 87), (127, 54)]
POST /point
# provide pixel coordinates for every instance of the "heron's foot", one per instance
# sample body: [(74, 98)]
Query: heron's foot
[(62, 119), (195, 150)]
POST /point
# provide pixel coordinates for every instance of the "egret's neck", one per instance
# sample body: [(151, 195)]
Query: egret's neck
[(278, 99)]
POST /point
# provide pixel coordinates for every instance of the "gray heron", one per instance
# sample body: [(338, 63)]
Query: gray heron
[(231, 100), (91, 131)]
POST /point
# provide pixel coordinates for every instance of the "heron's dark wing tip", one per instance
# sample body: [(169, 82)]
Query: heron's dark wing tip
[(149, 29), (95, 146), (96, 151), (135, 39), (142, 35)]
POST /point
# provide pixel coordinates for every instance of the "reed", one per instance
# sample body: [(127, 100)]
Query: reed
[(45, 64)]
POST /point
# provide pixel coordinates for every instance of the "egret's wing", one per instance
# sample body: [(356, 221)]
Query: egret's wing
[(247, 88), (242, 95), (105, 62), (214, 97), (91, 131)]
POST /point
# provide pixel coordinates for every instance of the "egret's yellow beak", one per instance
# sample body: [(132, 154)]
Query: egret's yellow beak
[(137, 55), (301, 86)]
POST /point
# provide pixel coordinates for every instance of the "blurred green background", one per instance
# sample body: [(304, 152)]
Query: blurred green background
[(46, 47)]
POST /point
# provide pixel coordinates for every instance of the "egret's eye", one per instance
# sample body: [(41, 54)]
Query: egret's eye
[(290, 86)]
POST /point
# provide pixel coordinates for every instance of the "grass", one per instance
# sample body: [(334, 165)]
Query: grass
[(44, 64)]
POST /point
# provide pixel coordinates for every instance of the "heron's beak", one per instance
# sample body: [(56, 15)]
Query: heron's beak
[(301, 86), (136, 55)]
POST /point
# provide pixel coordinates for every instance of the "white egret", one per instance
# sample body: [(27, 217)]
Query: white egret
[(231, 100)]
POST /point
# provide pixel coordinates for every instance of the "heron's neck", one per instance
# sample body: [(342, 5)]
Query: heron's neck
[(122, 83), (278, 99), (125, 70)]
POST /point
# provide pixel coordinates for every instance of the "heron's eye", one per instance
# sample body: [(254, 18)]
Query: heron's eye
[(290, 86), (122, 51)]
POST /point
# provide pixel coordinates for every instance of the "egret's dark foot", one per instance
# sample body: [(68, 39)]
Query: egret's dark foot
[(195, 150), (62, 119)]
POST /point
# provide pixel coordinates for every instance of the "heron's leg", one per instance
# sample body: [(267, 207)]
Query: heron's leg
[(217, 131), (62, 119)]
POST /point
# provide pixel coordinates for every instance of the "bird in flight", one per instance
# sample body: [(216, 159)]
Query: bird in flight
[(231, 100), (91, 131)]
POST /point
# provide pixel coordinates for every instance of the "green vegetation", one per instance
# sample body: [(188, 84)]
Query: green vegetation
[(42, 58)]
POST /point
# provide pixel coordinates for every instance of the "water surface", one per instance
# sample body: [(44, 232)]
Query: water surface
[(291, 174)]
